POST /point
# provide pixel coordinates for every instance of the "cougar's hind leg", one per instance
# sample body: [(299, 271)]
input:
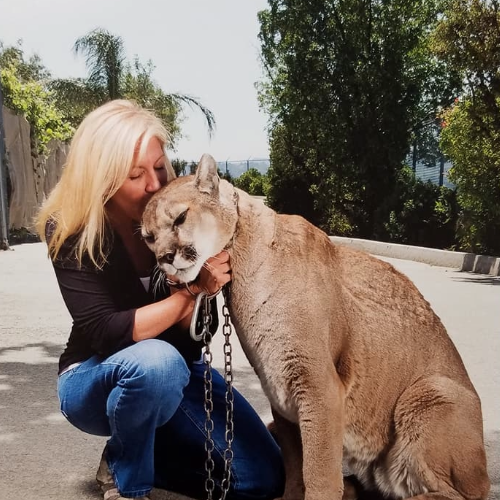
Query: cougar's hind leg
[(438, 451), (320, 408)]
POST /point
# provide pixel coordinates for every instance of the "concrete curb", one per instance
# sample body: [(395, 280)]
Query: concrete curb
[(481, 264)]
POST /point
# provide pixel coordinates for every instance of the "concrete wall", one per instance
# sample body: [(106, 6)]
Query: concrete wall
[(31, 176), (481, 264)]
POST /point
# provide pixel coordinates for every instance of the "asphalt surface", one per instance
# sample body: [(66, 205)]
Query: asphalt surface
[(42, 457)]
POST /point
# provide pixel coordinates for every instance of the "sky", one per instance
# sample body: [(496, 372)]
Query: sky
[(208, 49)]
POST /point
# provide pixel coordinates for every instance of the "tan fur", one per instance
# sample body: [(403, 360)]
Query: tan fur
[(355, 363)]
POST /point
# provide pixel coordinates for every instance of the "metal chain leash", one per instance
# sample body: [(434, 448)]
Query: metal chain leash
[(203, 302), (208, 402), (228, 378)]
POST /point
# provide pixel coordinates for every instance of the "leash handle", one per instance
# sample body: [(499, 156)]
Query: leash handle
[(204, 298)]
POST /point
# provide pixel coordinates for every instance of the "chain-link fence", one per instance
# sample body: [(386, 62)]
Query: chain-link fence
[(235, 168), (231, 168), (435, 172)]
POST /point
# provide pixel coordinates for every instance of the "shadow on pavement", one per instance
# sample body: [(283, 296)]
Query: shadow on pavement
[(43, 457), (481, 280)]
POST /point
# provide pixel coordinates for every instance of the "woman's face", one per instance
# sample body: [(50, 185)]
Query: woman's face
[(147, 175)]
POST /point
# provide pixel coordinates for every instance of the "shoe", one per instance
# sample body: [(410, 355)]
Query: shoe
[(107, 484)]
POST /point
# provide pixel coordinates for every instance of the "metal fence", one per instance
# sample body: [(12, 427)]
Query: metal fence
[(233, 168), (436, 173)]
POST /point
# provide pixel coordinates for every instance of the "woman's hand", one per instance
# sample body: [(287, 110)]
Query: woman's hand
[(214, 274)]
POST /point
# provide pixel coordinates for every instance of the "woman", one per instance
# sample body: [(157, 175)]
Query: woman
[(130, 369)]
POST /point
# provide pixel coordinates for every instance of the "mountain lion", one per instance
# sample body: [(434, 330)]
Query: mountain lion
[(355, 364)]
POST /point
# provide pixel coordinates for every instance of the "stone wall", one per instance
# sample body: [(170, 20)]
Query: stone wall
[(31, 177)]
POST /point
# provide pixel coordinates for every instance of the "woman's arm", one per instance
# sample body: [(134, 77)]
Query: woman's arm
[(152, 319), (108, 318)]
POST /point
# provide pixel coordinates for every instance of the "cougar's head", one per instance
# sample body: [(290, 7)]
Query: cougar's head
[(190, 220)]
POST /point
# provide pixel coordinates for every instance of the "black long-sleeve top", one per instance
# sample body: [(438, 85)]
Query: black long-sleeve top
[(102, 303)]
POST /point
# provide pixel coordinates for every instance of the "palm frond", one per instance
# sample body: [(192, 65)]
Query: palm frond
[(194, 103), (105, 59)]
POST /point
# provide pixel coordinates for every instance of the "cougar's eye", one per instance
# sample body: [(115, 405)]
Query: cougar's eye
[(148, 238), (181, 218)]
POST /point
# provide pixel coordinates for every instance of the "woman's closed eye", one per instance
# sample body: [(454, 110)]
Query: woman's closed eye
[(136, 174)]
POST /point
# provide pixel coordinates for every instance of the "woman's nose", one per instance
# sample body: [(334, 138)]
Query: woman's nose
[(153, 183)]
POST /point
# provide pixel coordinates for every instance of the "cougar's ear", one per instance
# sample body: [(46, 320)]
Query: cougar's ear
[(206, 177)]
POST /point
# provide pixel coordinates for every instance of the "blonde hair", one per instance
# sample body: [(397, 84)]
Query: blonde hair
[(101, 155)]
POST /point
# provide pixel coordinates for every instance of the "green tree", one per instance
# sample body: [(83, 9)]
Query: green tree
[(27, 69), (138, 84), (76, 98), (423, 213), (25, 93), (474, 148), (105, 60), (468, 38), (289, 181), (252, 181), (347, 85), (111, 76), (180, 166)]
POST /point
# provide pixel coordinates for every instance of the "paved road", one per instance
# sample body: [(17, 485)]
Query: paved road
[(44, 458)]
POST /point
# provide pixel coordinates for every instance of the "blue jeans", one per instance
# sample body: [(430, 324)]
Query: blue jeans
[(152, 405)]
